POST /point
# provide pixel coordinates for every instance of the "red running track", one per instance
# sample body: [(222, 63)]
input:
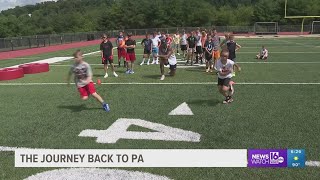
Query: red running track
[(35, 51)]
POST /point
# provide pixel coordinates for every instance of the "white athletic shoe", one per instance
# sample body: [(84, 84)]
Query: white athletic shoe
[(142, 64), (157, 62), (153, 62), (148, 63), (106, 76), (207, 70), (162, 77), (115, 74)]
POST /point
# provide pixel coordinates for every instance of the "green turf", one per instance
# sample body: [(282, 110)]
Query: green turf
[(262, 116)]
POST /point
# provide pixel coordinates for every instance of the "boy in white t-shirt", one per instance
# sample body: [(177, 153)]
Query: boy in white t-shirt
[(224, 67), (155, 48), (263, 54), (183, 44)]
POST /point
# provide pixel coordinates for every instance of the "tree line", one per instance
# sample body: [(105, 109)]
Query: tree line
[(67, 16)]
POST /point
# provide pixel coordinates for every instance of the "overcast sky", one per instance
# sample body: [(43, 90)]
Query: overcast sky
[(6, 4)]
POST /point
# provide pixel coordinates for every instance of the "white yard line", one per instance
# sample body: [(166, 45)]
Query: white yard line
[(278, 62), (137, 83), (289, 42), (199, 65)]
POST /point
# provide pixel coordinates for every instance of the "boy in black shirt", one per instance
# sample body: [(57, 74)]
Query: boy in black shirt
[(147, 46), (191, 41), (233, 47), (131, 55), (106, 48)]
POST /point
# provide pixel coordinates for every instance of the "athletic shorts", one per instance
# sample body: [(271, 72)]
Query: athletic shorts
[(155, 50), (191, 50), (184, 47), (121, 53), (208, 57), (172, 67), (147, 51), (224, 82), (87, 90), (216, 54), (131, 57), (107, 60), (199, 50)]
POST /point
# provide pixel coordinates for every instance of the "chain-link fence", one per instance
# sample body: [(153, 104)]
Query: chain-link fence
[(27, 42)]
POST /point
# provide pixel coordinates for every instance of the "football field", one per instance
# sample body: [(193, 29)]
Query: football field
[(276, 106)]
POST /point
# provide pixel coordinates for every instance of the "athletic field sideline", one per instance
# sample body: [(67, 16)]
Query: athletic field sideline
[(276, 106)]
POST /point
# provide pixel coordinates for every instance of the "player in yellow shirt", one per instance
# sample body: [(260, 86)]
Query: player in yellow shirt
[(176, 40)]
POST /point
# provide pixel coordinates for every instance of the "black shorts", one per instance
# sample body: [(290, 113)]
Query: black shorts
[(173, 67), (147, 51), (208, 56), (183, 47), (107, 60), (224, 82), (199, 50)]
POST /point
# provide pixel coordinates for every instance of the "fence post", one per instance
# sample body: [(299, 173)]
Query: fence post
[(37, 41), (29, 41), (11, 42)]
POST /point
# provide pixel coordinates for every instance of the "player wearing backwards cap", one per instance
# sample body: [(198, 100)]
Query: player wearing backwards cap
[(83, 79), (176, 40), (131, 55), (224, 67), (106, 48), (167, 57), (232, 48), (147, 46), (155, 48), (121, 50)]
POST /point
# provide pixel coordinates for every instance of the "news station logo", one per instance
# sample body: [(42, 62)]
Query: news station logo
[(267, 158)]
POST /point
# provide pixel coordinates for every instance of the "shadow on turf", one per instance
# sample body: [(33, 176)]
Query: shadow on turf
[(156, 76), (206, 102), (77, 108)]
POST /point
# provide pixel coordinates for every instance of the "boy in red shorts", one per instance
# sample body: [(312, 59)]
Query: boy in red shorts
[(131, 55), (121, 50), (83, 79)]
